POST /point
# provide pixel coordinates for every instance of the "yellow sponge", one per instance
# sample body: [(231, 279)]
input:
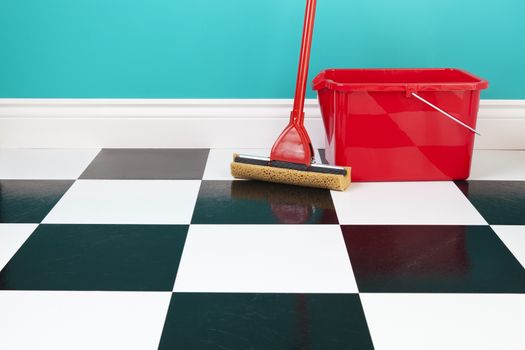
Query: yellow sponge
[(291, 177)]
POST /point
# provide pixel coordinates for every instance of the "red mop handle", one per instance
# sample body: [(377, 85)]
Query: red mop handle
[(297, 115), (293, 145)]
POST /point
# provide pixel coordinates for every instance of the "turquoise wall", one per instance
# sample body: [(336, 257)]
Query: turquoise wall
[(245, 48)]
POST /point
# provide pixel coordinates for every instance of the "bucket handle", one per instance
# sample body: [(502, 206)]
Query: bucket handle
[(445, 113)]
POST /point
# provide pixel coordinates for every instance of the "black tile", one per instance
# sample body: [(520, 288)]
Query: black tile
[(142, 164), (500, 202), (254, 202), (29, 201), (265, 321), (432, 259), (97, 257)]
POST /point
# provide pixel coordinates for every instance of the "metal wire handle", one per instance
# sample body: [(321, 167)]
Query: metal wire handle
[(445, 113)]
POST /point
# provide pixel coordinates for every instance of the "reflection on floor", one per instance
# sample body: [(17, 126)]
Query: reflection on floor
[(162, 249)]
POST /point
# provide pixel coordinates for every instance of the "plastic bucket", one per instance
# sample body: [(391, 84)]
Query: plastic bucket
[(400, 124)]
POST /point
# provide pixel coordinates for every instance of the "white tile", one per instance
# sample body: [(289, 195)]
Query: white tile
[(44, 163), (438, 203), (514, 239), (127, 202), (265, 259), (498, 165), (218, 165), (445, 321), (81, 320), (12, 236)]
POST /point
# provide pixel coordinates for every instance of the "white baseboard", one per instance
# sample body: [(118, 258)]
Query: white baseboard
[(159, 123)]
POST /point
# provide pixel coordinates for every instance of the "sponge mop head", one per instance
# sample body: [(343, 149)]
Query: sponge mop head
[(290, 176)]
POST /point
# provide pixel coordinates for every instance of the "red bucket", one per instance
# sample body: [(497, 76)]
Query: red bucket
[(400, 124)]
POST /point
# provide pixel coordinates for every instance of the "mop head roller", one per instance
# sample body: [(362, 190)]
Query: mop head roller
[(318, 176)]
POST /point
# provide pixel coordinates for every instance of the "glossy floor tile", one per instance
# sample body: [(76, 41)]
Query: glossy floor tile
[(265, 322), (126, 202), (254, 202), (81, 320), (29, 201), (139, 164), (97, 257), (432, 259), (429, 203), (218, 164), (44, 164), (498, 165), (258, 258), (12, 236), (500, 202), (514, 239), (445, 321), (162, 249)]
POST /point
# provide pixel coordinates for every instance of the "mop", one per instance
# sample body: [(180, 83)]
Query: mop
[(291, 159)]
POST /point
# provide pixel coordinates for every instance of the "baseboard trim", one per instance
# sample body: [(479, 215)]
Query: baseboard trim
[(218, 123)]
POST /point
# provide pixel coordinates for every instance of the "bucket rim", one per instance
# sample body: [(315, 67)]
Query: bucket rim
[(472, 82)]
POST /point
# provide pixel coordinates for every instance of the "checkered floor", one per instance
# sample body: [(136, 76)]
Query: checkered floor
[(160, 249)]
